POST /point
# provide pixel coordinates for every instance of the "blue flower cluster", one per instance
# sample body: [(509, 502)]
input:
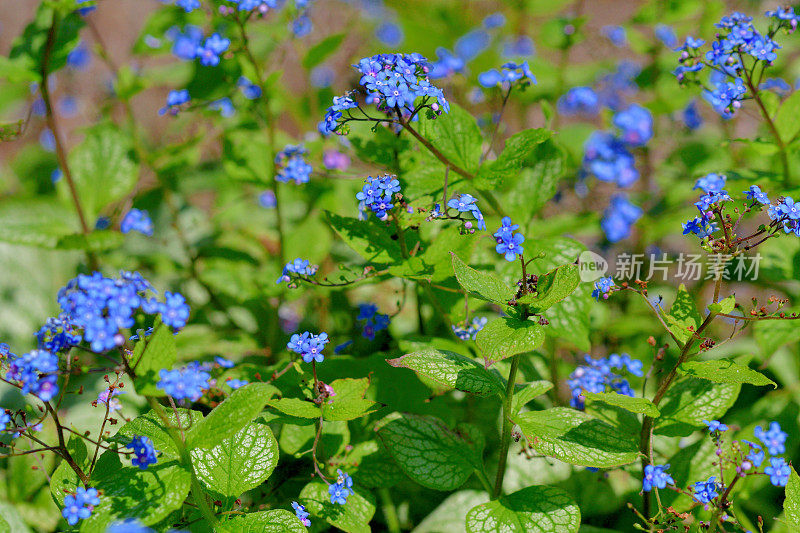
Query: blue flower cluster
[(144, 453), (737, 39), (137, 220), (36, 372), (292, 166), (510, 73), (597, 376), (466, 203), (579, 101), (374, 321), (377, 195), (773, 438), (102, 307), (300, 267), (619, 217), (57, 334), (469, 332), (186, 383), (509, 244), (602, 288), (340, 490), (656, 476), (607, 158), (309, 346), (79, 506), (301, 513), (715, 426), (393, 82)]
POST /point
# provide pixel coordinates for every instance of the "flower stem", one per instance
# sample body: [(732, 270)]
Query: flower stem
[(505, 438), (389, 510)]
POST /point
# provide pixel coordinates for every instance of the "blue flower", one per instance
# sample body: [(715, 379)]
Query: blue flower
[(705, 491), (711, 183), (636, 124), (186, 43), (602, 288), (519, 46), (188, 5), (250, 90), (715, 426), (774, 439), (495, 20), (236, 383), (789, 208), (615, 34), (471, 44), (80, 57), (79, 506), (656, 476), (778, 471), (377, 194), (301, 513), (86, 9), (691, 43), (389, 34), (267, 199), (608, 159), (579, 100), (756, 455), (144, 453), (511, 72), (130, 525), (211, 49), (755, 193), (509, 244), (137, 220), (691, 116), (184, 383), (666, 34), (58, 334), (374, 322), (175, 99), (5, 418)]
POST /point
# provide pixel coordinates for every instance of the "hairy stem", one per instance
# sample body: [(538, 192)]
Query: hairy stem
[(389, 510), (505, 438)]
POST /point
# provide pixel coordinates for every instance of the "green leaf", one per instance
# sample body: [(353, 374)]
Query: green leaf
[(150, 425), (451, 515), (569, 320), (791, 505), (102, 168), (429, 452), (96, 241), (540, 509), (64, 479), (690, 401), (480, 284), (683, 317), (352, 518), (238, 463), (552, 287), (150, 355), (634, 405), (322, 50), (723, 306), (772, 334), (724, 371), (349, 402), (456, 135), (505, 337), (272, 521), (577, 438), (371, 465), (786, 118), (28, 48), (451, 370), (32, 223), (696, 461), (528, 392), (296, 407), (148, 496), (296, 440), (518, 153), (370, 239), (227, 418), (536, 183)]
